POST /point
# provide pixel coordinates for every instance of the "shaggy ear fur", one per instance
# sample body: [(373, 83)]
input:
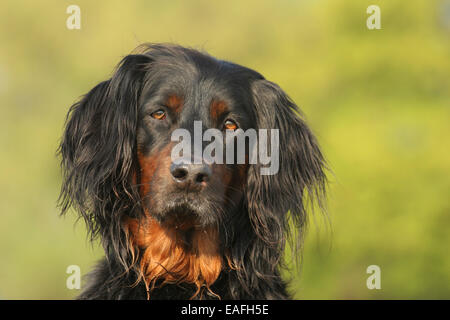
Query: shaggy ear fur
[(98, 149), (301, 165), (269, 198)]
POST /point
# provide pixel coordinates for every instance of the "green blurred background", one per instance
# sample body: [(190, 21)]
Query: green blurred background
[(378, 100)]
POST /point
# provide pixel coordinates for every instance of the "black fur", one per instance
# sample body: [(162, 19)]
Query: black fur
[(99, 154)]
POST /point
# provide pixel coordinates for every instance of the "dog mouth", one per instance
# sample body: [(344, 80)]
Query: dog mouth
[(184, 210), (180, 215)]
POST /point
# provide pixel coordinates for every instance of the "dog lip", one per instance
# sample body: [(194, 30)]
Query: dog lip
[(181, 208), (180, 216)]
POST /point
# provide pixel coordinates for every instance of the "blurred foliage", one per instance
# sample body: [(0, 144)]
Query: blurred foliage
[(378, 101)]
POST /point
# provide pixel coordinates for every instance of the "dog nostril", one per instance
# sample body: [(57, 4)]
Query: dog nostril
[(201, 177), (202, 174), (180, 173)]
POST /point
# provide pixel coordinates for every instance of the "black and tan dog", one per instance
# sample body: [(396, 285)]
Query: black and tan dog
[(196, 231)]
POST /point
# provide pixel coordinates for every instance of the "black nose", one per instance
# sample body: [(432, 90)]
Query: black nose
[(190, 175)]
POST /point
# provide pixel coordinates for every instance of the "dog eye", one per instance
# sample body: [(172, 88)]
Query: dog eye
[(159, 115), (230, 125)]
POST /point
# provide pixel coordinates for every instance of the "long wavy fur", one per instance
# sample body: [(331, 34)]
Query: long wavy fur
[(99, 159)]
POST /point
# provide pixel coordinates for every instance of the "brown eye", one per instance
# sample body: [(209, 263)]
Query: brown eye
[(159, 115), (230, 125)]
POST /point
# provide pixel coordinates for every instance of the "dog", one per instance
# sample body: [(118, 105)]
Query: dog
[(186, 230)]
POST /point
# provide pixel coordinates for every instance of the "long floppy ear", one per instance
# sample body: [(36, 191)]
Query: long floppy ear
[(98, 150), (301, 169)]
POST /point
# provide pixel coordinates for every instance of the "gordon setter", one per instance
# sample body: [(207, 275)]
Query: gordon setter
[(186, 230)]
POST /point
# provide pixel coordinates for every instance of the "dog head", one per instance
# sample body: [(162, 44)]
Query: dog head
[(124, 169)]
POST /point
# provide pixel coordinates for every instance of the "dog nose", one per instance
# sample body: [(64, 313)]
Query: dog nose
[(190, 175)]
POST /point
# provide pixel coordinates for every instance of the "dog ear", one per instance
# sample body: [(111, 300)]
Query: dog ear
[(98, 148), (301, 171)]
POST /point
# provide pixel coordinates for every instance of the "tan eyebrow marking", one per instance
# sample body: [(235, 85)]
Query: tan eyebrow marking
[(218, 107), (175, 103)]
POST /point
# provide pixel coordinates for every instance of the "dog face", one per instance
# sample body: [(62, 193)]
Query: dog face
[(182, 219), (175, 94)]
